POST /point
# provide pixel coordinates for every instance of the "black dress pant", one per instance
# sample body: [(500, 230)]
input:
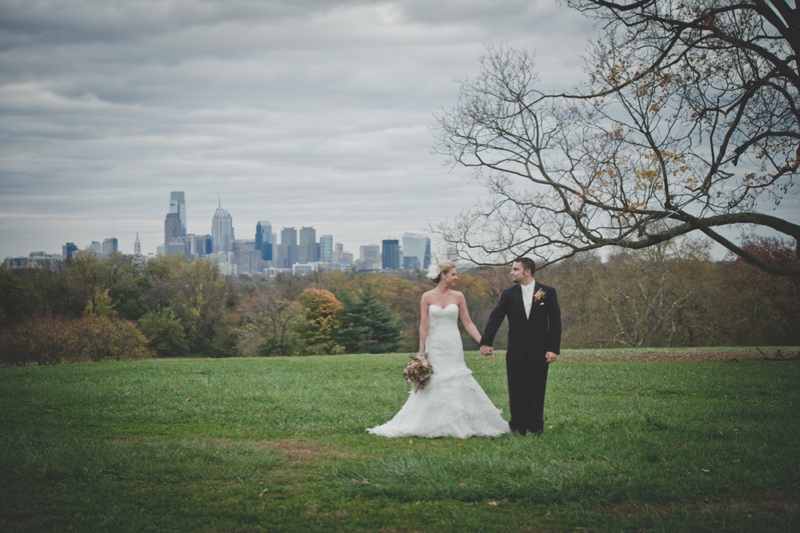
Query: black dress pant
[(527, 380)]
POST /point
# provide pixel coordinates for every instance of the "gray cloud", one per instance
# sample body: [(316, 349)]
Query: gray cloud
[(298, 112)]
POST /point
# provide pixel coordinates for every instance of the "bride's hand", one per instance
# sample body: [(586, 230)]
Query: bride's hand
[(421, 355)]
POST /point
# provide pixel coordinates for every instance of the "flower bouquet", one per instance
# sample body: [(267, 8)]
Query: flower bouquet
[(417, 372)]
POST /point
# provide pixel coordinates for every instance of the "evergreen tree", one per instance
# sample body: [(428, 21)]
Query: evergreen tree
[(368, 325)]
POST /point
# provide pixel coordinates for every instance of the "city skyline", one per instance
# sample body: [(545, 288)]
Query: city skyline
[(160, 240)]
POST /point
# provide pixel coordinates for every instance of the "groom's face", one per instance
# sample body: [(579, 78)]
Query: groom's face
[(518, 273)]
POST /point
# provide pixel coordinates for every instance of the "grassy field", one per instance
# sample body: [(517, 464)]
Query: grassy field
[(280, 445)]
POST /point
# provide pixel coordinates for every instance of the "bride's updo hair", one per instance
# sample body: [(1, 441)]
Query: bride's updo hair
[(444, 268)]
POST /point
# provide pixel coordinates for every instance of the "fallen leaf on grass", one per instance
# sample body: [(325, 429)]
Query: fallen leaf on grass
[(263, 492), (365, 481), (492, 502), (736, 461), (104, 524), (705, 471)]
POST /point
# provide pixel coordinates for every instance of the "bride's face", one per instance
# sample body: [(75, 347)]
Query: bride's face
[(450, 277)]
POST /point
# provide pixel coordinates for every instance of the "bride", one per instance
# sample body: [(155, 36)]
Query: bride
[(452, 404)]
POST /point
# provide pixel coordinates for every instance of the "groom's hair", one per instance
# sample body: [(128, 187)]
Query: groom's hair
[(527, 264)]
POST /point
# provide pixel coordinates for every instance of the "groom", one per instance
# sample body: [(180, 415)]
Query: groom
[(534, 341)]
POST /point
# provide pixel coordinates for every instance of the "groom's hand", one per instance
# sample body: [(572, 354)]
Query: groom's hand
[(486, 350), (550, 357)]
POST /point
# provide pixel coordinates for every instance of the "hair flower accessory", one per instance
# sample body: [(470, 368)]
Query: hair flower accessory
[(433, 271)]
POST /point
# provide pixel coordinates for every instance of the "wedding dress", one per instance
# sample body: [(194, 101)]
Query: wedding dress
[(452, 404)]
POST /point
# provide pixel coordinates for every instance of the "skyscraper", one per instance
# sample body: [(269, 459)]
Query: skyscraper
[(110, 246), (326, 249), (177, 205), (370, 253), (68, 249), (264, 239), (416, 251), (221, 230), (172, 228), (287, 249), (391, 254), (137, 245), (308, 249)]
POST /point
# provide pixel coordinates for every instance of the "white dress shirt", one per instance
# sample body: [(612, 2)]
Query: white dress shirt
[(527, 297)]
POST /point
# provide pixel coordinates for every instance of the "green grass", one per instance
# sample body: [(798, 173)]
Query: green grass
[(280, 445)]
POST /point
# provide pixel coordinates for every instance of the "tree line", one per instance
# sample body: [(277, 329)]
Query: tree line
[(671, 294)]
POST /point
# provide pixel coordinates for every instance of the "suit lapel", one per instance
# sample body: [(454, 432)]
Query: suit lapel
[(518, 298)]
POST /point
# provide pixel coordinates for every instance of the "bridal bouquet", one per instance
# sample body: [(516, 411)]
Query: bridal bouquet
[(417, 372)]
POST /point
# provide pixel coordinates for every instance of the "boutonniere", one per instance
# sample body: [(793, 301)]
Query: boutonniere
[(538, 296)]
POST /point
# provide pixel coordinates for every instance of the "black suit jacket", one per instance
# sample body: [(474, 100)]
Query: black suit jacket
[(532, 336)]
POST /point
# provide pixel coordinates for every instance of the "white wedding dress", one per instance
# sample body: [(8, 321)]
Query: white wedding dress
[(452, 404)]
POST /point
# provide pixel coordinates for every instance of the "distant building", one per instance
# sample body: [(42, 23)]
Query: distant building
[(391, 254), (172, 228), (177, 205), (303, 269), (225, 262), (326, 249), (221, 230), (287, 249), (34, 260), (96, 247), (271, 272), (199, 245), (68, 249), (264, 240), (110, 246), (369, 257), (345, 259), (416, 251), (308, 249), (137, 245), (177, 246), (247, 261), (370, 253), (243, 245)]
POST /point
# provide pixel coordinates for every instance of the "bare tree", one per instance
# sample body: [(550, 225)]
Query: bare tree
[(689, 122)]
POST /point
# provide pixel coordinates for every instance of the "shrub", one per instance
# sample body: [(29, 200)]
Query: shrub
[(49, 340), (164, 333)]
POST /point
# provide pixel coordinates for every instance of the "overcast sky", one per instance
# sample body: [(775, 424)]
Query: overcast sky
[(300, 112)]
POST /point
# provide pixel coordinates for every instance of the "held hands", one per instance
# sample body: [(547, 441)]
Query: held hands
[(487, 351)]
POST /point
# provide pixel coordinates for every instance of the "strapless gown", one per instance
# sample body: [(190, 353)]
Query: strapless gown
[(452, 404)]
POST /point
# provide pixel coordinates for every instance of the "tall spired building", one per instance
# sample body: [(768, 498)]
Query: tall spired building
[(177, 204), (221, 230)]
